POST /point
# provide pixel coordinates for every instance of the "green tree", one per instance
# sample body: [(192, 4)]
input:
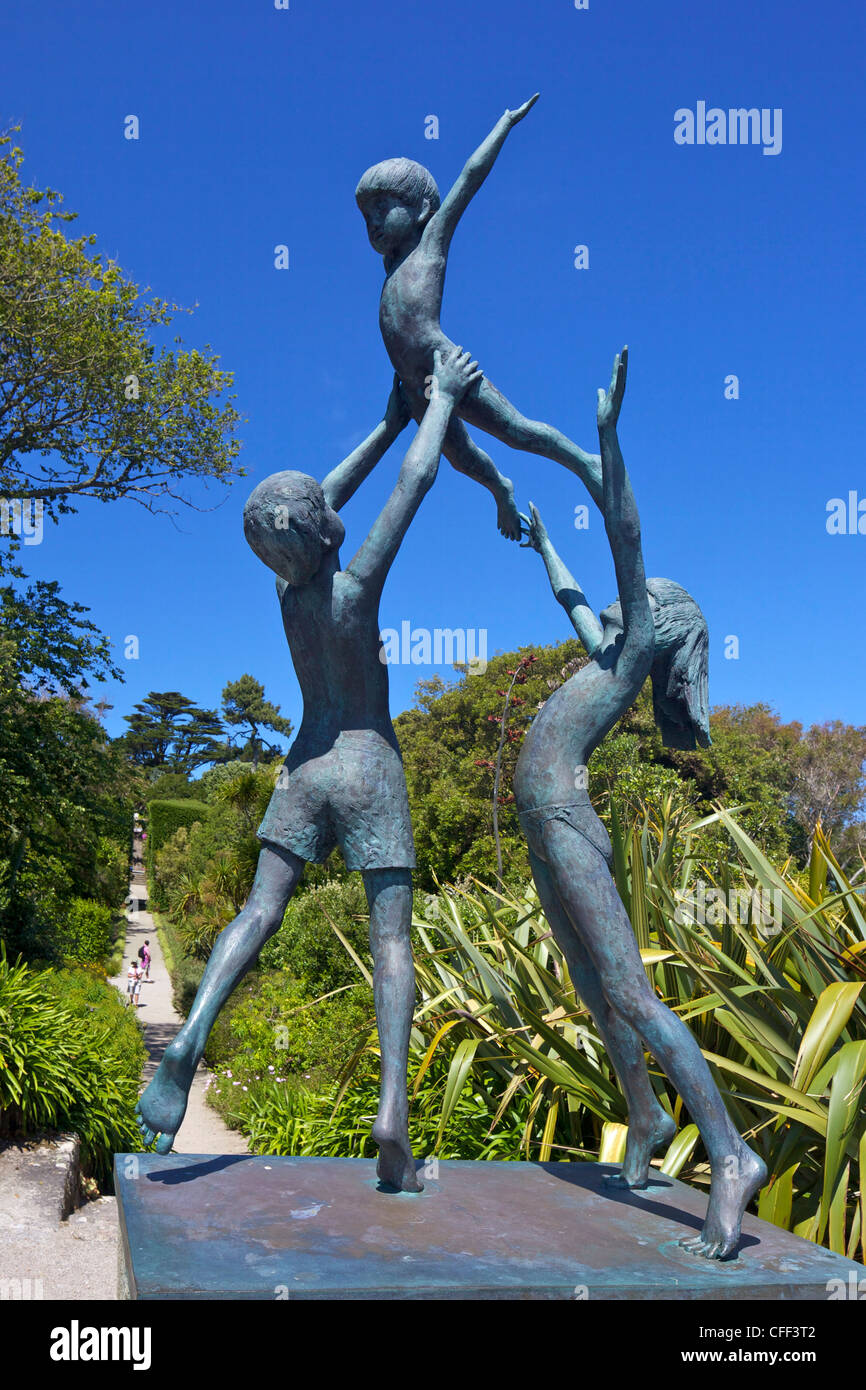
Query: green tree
[(171, 733), (65, 813), (450, 743), (830, 784), (245, 707), (170, 786), (88, 406), (62, 785)]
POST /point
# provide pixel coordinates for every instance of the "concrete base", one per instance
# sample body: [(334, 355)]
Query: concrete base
[(39, 1180), (258, 1227)]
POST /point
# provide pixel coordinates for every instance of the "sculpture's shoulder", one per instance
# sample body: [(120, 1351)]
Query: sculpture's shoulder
[(350, 592)]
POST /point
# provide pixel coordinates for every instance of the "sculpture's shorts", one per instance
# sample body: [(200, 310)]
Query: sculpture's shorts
[(353, 795), (578, 814)]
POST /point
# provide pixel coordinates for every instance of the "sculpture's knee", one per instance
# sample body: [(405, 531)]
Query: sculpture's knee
[(391, 917), (389, 897), (631, 998), (257, 924)]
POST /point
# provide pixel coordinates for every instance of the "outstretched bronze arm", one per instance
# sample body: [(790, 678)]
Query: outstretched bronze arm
[(566, 589), (442, 225), (343, 481)]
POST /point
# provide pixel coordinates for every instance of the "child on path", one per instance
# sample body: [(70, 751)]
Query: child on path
[(133, 982)]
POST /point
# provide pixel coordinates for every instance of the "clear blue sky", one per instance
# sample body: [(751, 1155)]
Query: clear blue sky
[(706, 260)]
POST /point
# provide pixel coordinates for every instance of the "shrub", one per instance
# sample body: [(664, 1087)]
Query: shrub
[(83, 991), (70, 1059), (275, 1028), (170, 786), (501, 1046), (110, 877), (89, 934), (306, 944), (185, 972), (164, 820), (220, 775)]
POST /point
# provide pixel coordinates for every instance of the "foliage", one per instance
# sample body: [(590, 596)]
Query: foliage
[(280, 1117), (110, 875), (185, 972), (64, 817), (165, 817), (216, 776), (279, 1030), (450, 742), (49, 647), (245, 707), (831, 777), (70, 1059), (84, 992), (203, 876), (82, 381), (169, 732), (778, 1008), (170, 786), (507, 734), (90, 930), (307, 944)]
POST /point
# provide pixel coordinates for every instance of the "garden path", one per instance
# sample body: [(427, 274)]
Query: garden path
[(202, 1131)]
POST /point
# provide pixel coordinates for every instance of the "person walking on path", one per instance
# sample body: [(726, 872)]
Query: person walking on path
[(133, 983)]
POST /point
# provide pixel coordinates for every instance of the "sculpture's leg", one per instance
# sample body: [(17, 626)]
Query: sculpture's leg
[(162, 1106), (464, 454), (588, 894), (487, 408), (649, 1126), (389, 896)]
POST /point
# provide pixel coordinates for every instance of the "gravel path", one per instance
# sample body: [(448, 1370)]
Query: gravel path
[(202, 1131)]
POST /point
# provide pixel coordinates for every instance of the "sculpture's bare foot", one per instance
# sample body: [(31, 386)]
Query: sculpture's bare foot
[(641, 1144), (162, 1105), (396, 1166), (729, 1197), (507, 515)]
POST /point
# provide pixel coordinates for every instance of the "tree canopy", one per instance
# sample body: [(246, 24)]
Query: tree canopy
[(89, 406), (170, 733), (245, 708), (781, 779)]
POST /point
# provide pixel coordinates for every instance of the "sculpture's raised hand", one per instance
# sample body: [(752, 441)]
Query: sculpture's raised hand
[(397, 412), (515, 116), (536, 532), (610, 401)]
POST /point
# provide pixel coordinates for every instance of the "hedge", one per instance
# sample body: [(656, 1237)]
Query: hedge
[(164, 818)]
